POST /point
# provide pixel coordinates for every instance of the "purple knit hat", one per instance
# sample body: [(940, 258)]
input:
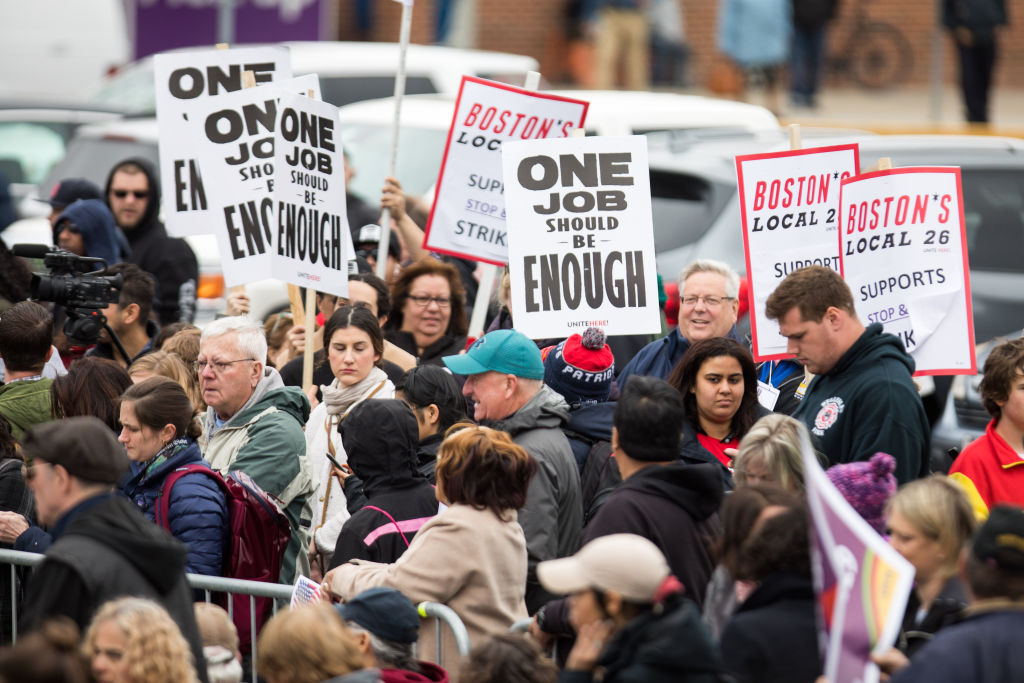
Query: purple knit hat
[(867, 486)]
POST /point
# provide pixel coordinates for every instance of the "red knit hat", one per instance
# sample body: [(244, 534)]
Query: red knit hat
[(581, 368)]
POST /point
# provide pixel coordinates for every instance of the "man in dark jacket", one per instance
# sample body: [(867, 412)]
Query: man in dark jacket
[(973, 24), (103, 547), (863, 399), (129, 317), (984, 647), (708, 307), (504, 378), (133, 194), (670, 503), (380, 438)]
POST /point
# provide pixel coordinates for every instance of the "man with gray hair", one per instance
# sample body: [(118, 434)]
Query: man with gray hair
[(254, 424), (708, 307), (386, 627)]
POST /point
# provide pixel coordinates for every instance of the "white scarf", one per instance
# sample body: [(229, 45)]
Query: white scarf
[(338, 399)]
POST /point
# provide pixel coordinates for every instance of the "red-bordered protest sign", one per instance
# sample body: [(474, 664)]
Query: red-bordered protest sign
[(789, 204), (468, 217), (903, 252)]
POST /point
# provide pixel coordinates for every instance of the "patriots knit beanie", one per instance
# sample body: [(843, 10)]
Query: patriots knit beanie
[(581, 368), (867, 486)]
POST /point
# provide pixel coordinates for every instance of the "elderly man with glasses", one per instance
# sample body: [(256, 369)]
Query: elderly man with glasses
[(708, 307), (254, 425)]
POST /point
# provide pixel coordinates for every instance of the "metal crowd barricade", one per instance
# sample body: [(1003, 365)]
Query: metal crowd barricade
[(280, 593), (445, 614)]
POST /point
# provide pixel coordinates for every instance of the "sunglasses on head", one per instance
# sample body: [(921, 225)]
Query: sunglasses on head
[(138, 194)]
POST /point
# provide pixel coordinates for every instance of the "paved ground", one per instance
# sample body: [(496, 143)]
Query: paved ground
[(904, 110)]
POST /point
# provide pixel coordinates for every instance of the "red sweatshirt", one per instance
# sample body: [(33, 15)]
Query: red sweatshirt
[(990, 471)]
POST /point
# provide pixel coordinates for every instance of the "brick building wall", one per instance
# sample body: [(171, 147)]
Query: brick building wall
[(536, 27)]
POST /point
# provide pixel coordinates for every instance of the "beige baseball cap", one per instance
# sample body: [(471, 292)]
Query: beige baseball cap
[(628, 564)]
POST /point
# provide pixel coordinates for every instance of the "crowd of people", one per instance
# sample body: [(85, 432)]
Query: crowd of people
[(646, 525)]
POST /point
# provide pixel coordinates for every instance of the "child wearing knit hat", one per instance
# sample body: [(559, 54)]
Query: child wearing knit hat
[(867, 486), (581, 368)]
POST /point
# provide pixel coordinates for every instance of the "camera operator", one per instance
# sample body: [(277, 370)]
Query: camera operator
[(129, 317)]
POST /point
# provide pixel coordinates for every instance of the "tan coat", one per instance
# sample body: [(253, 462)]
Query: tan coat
[(465, 558)]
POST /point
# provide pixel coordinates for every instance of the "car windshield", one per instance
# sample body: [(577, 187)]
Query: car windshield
[(92, 158), (419, 158), (342, 90), (29, 150), (994, 214), (682, 208)]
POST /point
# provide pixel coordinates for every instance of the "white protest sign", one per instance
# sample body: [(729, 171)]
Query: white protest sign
[(903, 252), (183, 80), (312, 242), (789, 204), (468, 218), (581, 237), (235, 145)]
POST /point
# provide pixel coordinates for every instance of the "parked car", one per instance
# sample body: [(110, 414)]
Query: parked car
[(349, 72), (91, 154), (33, 137), (670, 118)]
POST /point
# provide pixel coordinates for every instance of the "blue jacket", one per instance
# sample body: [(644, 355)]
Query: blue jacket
[(983, 648), (197, 513), (659, 357)]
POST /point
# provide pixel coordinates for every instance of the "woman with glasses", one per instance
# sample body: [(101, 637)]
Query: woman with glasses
[(718, 382), (428, 318), (159, 430), (354, 344)]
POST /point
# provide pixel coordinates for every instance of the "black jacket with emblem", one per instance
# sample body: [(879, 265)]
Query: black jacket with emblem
[(868, 403)]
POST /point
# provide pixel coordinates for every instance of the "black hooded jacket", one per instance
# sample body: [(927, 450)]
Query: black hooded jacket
[(104, 548), (675, 507), (168, 259), (381, 439), (868, 403)]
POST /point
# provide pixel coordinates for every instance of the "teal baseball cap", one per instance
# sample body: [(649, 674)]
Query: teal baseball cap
[(506, 351)]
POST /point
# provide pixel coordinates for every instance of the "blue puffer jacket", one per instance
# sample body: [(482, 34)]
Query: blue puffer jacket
[(198, 513)]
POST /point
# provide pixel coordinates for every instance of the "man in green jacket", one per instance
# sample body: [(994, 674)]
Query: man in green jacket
[(863, 400), (26, 336), (254, 424)]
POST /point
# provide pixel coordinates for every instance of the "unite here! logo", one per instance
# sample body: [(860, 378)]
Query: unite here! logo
[(831, 408)]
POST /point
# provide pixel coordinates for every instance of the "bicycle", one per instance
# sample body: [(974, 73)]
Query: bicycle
[(875, 54)]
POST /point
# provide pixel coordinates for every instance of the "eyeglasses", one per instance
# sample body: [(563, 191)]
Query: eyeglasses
[(138, 194), (424, 301), (218, 366), (69, 226), (709, 301)]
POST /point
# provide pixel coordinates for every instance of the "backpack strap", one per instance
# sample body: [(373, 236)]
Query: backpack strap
[(163, 501), (385, 513)]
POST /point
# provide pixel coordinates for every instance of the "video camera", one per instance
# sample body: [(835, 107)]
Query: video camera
[(75, 283)]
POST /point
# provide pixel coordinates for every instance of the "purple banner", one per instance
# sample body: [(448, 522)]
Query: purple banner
[(167, 24)]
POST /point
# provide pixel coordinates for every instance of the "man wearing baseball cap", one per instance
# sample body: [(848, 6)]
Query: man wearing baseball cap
[(386, 627), (984, 646), (633, 620), (505, 380), (103, 546)]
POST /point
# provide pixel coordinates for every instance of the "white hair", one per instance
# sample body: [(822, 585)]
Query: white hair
[(706, 265), (252, 340)]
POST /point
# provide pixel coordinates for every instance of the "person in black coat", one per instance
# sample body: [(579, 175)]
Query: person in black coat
[(437, 403), (773, 635), (103, 546), (380, 438), (634, 622), (133, 194)]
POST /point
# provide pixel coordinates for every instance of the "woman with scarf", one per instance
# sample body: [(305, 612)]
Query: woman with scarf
[(159, 430), (354, 344)]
